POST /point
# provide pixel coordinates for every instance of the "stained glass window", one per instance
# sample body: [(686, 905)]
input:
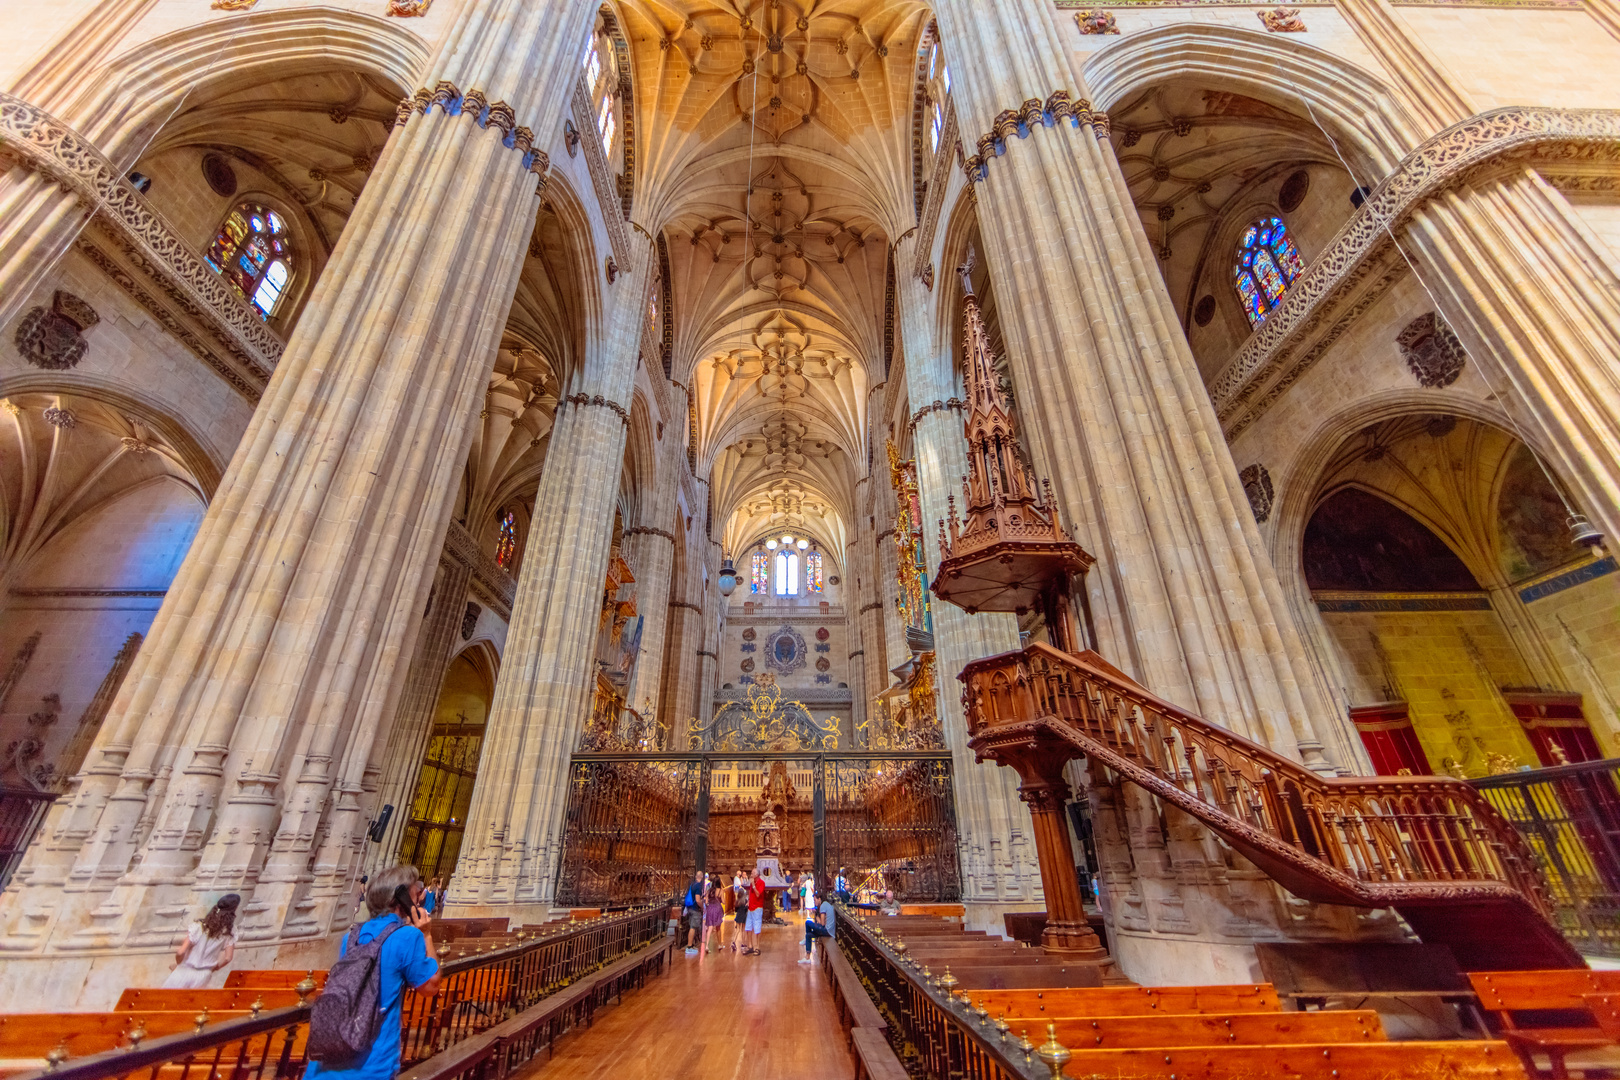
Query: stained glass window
[(1267, 263), (787, 573), (812, 573), (936, 125), (253, 253), (759, 573), (593, 65), (600, 85), (506, 543)]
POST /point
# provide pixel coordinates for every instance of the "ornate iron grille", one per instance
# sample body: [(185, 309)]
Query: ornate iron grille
[(630, 834), (638, 824), (1570, 815)]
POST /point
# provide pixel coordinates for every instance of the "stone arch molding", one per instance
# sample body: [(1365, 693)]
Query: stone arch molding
[(1313, 311), (1357, 109), (208, 57), (1296, 480)]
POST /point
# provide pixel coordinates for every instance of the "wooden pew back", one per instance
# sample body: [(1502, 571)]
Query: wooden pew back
[(1506, 992), (1208, 1029), (271, 979), (1132, 1000), (137, 999), (1458, 1060)]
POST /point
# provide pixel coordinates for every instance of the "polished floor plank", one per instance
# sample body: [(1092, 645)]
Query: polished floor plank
[(719, 1016)]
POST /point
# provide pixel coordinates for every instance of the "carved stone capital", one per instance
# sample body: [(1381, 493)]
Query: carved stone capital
[(1021, 121)]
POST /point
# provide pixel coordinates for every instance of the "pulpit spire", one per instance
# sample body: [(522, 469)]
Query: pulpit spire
[(1007, 552)]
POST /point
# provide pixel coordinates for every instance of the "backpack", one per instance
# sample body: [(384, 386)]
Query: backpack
[(343, 1024)]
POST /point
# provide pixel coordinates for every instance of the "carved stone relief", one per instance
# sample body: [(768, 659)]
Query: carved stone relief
[(53, 338), (1282, 20), (1257, 486), (1432, 351), (1096, 22), (469, 620)]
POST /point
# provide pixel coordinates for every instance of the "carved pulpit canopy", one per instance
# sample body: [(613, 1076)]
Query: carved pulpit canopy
[(1007, 552)]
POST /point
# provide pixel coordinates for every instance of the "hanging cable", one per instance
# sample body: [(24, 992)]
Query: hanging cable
[(1581, 530)]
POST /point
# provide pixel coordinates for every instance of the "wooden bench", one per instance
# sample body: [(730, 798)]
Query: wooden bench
[(240, 999), (854, 1005), (27, 1038), (937, 911), (277, 979), (874, 1058), (1025, 977), (1455, 1060), (1565, 1024), (1132, 1000), (1308, 975), (1208, 1029)]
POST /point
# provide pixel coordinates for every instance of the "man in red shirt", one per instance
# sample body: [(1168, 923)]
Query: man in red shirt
[(756, 913)]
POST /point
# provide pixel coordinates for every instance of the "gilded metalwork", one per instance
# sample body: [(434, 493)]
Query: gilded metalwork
[(764, 722)]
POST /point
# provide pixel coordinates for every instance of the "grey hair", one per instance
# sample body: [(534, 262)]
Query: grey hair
[(380, 891)]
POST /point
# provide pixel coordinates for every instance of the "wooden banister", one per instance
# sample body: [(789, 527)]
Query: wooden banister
[(1410, 842)]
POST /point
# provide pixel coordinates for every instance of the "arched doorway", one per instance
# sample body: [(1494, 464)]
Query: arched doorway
[(438, 810), (1467, 625)]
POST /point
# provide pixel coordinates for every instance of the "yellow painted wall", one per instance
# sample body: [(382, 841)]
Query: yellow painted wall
[(1455, 708)]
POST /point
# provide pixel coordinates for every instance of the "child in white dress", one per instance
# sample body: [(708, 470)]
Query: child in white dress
[(209, 946)]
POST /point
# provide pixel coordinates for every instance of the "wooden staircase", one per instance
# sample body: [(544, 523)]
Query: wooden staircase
[(1430, 847)]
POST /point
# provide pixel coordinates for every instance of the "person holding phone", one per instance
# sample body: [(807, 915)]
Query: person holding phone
[(407, 959)]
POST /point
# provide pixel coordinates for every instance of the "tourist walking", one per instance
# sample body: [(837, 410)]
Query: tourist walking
[(403, 956), (739, 896), (728, 911), (756, 914), (210, 945), (713, 912), (820, 925), (791, 891), (692, 912), (807, 894)]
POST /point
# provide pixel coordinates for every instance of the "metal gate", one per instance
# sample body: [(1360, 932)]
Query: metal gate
[(638, 824)]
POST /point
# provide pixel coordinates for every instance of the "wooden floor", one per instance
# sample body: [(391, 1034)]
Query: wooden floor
[(720, 1016)]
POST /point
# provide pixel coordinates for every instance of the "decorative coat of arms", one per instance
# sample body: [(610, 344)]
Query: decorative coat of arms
[(1095, 22), (785, 651), (1257, 486), (1432, 351)]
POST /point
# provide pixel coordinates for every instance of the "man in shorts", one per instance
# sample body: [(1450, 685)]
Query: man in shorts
[(692, 913), (756, 913)]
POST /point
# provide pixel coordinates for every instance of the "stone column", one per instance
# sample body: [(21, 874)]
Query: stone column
[(38, 217), (651, 550), (413, 722), (887, 559), (713, 623), (1184, 593), (514, 825), (686, 638), (1606, 13), (1536, 303), (868, 607), (238, 751), (1423, 84), (998, 864)]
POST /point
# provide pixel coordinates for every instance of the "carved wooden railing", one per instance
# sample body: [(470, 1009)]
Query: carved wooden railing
[(1363, 841), (477, 993)]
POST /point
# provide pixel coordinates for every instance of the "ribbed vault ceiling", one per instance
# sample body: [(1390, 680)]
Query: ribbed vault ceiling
[(777, 160)]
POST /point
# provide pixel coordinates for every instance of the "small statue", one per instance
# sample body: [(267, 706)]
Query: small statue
[(1282, 20), (770, 835)]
